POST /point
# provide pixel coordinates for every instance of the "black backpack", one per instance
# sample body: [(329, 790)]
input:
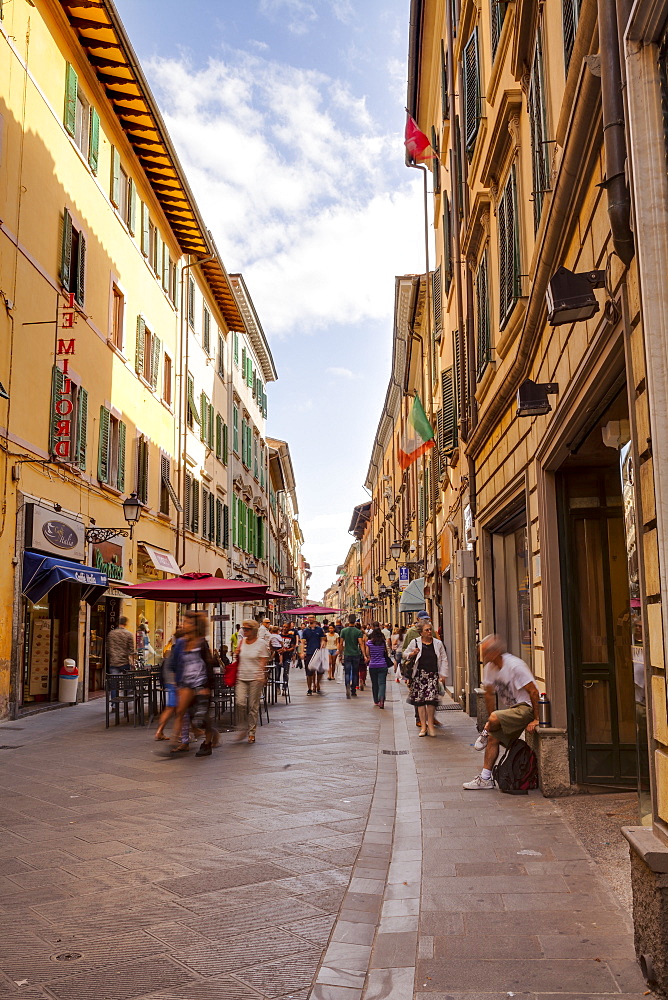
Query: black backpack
[(517, 771)]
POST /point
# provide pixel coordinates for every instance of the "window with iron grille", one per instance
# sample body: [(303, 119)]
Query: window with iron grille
[(538, 123), (571, 15), (471, 85), (498, 15), (482, 319), (445, 102), (509, 251)]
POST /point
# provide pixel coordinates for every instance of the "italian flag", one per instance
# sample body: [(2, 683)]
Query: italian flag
[(418, 436)]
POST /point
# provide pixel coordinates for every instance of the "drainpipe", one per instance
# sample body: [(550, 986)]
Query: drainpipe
[(614, 131)]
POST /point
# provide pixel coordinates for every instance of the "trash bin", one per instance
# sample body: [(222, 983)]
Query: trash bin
[(68, 681)]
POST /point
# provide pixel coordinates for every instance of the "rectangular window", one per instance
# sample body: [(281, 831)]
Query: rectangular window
[(482, 319), (206, 330), (81, 119), (245, 429), (145, 229), (471, 85), (220, 360), (447, 243), (153, 247), (498, 16), (123, 195), (226, 526), (256, 467), (147, 356), (219, 522), (82, 127), (131, 217), (117, 317), (437, 302), (191, 302), (448, 414), (445, 101), (571, 16), (141, 478), (206, 420), (235, 430), (165, 268), (194, 506), (219, 437), (235, 343), (73, 259), (540, 160), (68, 428), (167, 380), (165, 477), (436, 163), (173, 281), (509, 251), (205, 511)]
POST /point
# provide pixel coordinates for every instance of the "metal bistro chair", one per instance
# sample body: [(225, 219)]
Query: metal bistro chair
[(264, 703), (142, 689), (120, 690), (223, 699), (157, 693)]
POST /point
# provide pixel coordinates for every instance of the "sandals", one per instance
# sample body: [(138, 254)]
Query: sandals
[(161, 736), (181, 748), (251, 737)]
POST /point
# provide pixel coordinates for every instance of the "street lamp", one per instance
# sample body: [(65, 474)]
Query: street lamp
[(396, 549), (391, 576), (132, 507), (251, 565)]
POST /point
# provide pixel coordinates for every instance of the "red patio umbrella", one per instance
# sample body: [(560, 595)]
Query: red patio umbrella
[(313, 609), (193, 588)]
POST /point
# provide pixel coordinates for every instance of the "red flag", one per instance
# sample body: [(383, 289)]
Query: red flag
[(416, 142)]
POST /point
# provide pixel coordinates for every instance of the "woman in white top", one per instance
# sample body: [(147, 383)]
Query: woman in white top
[(430, 663), (332, 647), (253, 654)]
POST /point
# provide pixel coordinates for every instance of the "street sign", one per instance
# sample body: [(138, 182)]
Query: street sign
[(404, 577)]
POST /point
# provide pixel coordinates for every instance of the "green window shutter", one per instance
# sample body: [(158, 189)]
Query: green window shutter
[(447, 243), (191, 302), (226, 526), (225, 455), (103, 447), (235, 430), (82, 428), (195, 505), (435, 163), (221, 355), (132, 206), (509, 268), (437, 302), (71, 84), (66, 252), (115, 177), (457, 372), (210, 426), (243, 363), (205, 512), (155, 362), (80, 290), (243, 441), (219, 522), (94, 140), (471, 84), (120, 475), (57, 384), (145, 223), (234, 520), (187, 496), (203, 412), (235, 345), (449, 419), (219, 436), (538, 126), (140, 346), (212, 515), (445, 103), (256, 470), (482, 316), (190, 392)]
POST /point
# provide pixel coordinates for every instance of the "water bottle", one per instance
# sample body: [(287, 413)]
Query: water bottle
[(544, 711)]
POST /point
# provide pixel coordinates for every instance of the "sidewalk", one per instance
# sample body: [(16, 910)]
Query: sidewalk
[(340, 849)]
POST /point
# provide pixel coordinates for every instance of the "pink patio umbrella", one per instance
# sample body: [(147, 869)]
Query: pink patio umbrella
[(196, 588)]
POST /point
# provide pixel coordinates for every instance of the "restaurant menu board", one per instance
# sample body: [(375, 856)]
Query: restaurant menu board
[(40, 656)]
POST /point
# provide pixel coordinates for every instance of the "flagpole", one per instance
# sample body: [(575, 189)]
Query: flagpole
[(429, 395)]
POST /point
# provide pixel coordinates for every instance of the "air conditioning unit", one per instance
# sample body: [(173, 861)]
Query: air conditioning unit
[(464, 564)]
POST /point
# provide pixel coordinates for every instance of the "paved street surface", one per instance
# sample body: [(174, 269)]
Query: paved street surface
[(336, 859)]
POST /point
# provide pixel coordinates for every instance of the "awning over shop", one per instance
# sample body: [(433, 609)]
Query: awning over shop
[(42, 573), (193, 588), (163, 561), (412, 598)]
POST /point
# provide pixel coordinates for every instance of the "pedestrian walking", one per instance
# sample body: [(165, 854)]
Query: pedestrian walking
[(289, 637), (253, 656), (313, 639), (379, 661), (168, 678), (332, 647), (234, 640), (430, 661), (413, 632), (352, 650), (193, 666), (120, 648), (509, 679), (396, 645)]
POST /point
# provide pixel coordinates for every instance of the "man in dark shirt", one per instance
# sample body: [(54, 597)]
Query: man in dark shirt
[(289, 636), (313, 639), (352, 648)]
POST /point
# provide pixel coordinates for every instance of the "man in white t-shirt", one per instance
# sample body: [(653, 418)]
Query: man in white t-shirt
[(509, 678)]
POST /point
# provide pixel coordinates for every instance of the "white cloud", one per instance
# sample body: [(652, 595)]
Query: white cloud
[(341, 372), (303, 191), (295, 14)]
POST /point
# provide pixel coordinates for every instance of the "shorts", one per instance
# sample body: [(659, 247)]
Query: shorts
[(513, 722), (307, 660), (170, 696), (333, 652)]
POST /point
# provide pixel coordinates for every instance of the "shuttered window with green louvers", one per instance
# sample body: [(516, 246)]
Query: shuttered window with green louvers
[(205, 512), (193, 416), (140, 346), (219, 437), (482, 316), (103, 445), (235, 430), (435, 163), (445, 101), (142, 468), (120, 471), (497, 17), (459, 386), (132, 206), (156, 349), (447, 243), (73, 259), (82, 427), (225, 444), (509, 251), (471, 84), (145, 229), (221, 356), (219, 522), (570, 16), (540, 160), (206, 330), (71, 87), (448, 440), (187, 497), (94, 140), (226, 526), (437, 302), (57, 384), (194, 506), (165, 474)]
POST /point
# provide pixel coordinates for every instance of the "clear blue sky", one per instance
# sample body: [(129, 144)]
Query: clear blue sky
[(288, 117)]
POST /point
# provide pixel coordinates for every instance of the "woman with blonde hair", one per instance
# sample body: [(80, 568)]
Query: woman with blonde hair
[(253, 655)]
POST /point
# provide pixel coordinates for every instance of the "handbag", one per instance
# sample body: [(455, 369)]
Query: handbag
[(232, 669), (322, 660)]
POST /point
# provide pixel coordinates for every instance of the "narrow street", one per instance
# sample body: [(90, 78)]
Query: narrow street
[(338, 858)]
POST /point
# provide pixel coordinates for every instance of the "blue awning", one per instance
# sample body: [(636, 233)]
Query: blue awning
[(412, 598), (42, 573)]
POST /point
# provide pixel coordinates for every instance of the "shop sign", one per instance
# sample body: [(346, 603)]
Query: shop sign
[(108, 558), (404, 577), (55, 533), (63, 402)]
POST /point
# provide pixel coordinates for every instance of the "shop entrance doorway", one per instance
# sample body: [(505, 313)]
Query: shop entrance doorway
[(598, 621)]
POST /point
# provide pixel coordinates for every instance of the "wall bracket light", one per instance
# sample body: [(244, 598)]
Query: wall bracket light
[(532, 398), (570, 296)]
